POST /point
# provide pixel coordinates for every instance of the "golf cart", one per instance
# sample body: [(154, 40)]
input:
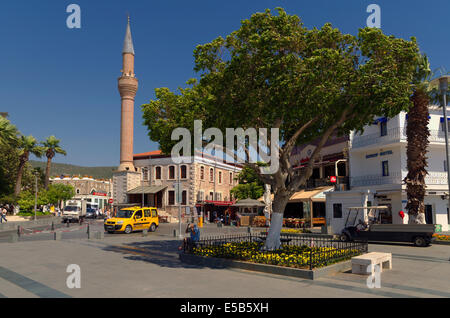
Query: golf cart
[(373, 224)]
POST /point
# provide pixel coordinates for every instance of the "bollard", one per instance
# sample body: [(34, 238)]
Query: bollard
[(89, 235), (18, 230), (68, 223), (87, 229), (13, 238), (145, 232), (57, 236), (53, 226), (175, 233)]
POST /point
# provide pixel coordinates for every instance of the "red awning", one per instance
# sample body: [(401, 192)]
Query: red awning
[(219, 203)]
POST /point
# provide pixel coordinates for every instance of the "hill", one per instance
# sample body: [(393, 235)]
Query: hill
[(58, 169)]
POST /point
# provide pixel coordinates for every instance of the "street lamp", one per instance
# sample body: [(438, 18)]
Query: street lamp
[(35, 194)]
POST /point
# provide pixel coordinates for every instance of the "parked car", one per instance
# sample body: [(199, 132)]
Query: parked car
[(91, 213), (132, 219)]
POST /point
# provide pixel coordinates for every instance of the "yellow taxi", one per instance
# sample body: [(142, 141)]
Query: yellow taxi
[(132, 219)]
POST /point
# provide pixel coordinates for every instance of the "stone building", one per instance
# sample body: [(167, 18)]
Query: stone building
[(203, 181), (94, 190)]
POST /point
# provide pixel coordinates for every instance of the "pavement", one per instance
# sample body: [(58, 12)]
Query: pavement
[(135, 266)]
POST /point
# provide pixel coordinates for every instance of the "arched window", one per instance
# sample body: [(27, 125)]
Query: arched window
[(144, 174), (183, 172), (202, 173), (172, 172), (78, 191), (184, 197), (231, 177), (211, 174), (220, 177), (158, 173)]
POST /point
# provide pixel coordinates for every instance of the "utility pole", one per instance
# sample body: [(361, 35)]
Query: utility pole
[(443, 86)]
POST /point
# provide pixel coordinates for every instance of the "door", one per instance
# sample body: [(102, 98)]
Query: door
[(138, 220), (147, 218), (429, 214)]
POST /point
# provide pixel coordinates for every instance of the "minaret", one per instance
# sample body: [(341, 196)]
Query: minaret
[(128, 85)]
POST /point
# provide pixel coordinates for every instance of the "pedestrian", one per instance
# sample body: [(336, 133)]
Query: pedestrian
[(3, 215), (194, 236)]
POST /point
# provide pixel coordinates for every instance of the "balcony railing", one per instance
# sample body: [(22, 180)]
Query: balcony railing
[(433, 178), (393, 135)]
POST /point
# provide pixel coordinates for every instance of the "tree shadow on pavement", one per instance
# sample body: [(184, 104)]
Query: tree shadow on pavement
[(164, 253)]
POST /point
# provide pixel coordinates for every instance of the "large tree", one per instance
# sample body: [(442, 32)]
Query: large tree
[(51, 148), (26, 145), (275, 73), (8, 132)]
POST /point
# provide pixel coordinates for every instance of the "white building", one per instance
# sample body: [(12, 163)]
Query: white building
[(377, 161)]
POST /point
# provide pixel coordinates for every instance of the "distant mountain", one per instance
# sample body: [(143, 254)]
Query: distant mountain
[(58, 169)]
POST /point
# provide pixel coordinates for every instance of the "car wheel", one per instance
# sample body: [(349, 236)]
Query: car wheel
[(343, 238), (420, 241), (153, 227), (128, 229)]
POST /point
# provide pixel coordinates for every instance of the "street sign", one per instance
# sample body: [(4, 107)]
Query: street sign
[(110, 201), (333, 179)]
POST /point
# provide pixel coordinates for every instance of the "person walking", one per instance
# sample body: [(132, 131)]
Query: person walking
[(3, 215)]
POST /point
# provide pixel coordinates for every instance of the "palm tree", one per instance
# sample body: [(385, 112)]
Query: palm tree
[(51, 147), (8, 132), (417, 133), (26, 145)]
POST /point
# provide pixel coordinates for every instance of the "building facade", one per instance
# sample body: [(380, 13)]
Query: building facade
[(204, 179), (377, 161), (93, 190)]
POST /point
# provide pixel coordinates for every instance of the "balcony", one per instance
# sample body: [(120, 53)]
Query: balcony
[(433, 178), (393, 135), (340, 185)]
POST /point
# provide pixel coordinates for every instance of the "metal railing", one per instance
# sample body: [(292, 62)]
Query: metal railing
[(433, 178), (393, 135), (305, 251)]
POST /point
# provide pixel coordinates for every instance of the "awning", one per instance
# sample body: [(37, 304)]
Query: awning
[(309, 195), (380, 120), (442, 119), (249, 203), (146, 190), (315, 195), (218, 203)]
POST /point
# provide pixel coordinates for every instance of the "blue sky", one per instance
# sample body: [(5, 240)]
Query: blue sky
[(63, 82)]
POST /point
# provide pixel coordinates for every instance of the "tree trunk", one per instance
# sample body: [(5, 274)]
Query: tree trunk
[(19, 177), (417, 132), (47, 172), (276, 223)]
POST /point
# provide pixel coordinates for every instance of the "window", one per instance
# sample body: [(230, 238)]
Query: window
[(443, 125), (144, 174), (78, 191), (231, 177), (171, 197), (138, 214), (220, 176), (385, 167), (183, 172), (211, 174), (158, 173), (200, 195), (184, 197), (337, 210), (172, 172), (154, 213), (383, 128), (147, 213), (202, 173), (211, 195)]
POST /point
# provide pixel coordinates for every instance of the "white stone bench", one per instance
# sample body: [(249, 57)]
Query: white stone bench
[(365, 264)]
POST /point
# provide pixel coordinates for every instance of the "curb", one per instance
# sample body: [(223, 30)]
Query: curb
[(441, 242), (265, 268)]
